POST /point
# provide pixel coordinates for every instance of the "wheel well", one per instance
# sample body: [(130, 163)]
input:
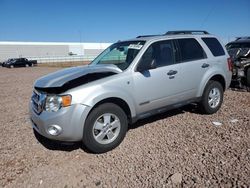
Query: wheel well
[(121, 103), (219, 79)]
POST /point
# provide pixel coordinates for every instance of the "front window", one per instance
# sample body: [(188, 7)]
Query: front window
[(158, 54), (120, 54)]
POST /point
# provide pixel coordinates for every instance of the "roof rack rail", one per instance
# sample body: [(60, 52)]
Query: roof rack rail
[(140, 36), (186, 32)]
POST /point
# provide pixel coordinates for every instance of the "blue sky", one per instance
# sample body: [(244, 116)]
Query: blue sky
[(109, 20)]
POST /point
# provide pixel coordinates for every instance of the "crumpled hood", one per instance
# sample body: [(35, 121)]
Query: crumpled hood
[(62, 77), (236, 53)]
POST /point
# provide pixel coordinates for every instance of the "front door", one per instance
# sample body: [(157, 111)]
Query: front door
[(158, 85)]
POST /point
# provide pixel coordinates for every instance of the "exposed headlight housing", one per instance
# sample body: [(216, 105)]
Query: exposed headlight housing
[(54, 102)]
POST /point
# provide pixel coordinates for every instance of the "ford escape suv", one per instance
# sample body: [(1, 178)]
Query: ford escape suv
[(130, 80)]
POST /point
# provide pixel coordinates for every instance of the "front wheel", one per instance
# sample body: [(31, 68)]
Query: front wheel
[(105, 128), (212, 97)]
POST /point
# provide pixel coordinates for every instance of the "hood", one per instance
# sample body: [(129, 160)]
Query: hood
[(71, 77)]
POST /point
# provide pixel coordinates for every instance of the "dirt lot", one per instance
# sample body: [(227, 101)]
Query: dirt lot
[(179, 148)]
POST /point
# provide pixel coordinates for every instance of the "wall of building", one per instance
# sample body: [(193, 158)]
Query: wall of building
[(51, 51)]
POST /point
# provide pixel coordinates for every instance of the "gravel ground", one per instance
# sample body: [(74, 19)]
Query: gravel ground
[(181, 148)]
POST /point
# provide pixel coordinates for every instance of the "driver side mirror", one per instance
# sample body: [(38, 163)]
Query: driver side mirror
[(144, 66)]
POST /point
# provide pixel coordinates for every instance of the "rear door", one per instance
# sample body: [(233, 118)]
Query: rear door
[(193, 65)]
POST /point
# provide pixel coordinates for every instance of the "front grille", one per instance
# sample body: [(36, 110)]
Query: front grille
[(37, 101)]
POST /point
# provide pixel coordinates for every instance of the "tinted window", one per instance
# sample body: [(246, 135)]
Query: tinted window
[(161, 52), (214, 45), (190, 50)]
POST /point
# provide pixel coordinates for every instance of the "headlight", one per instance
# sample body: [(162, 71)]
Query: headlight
[(55, 102)]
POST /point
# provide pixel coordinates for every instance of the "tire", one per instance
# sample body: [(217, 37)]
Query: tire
[(26, 65), (11, 66), (31, 65), (213, 92), (105, 128), (248, 76)]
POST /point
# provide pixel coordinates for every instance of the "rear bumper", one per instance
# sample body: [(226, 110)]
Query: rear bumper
[(70, 119)]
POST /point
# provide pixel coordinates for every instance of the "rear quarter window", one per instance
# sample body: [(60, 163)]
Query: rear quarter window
[(214, 46), (190, 50)]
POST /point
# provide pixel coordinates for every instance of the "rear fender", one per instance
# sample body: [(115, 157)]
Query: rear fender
[(209, 74)]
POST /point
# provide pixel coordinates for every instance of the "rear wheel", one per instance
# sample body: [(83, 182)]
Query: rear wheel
[(212, 97), (11, 66), (26, 65), (105, 128)]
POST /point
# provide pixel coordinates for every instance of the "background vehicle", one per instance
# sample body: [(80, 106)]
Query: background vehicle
[(19, 62), (239, 50), (4, 63), (130, 80)]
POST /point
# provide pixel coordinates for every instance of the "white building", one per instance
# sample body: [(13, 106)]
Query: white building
[(51, 51)]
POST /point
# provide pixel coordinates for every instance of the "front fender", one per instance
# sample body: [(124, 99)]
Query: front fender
[(111, 94), (93, 95)]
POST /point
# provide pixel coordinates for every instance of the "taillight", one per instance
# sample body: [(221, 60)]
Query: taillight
[(230, 64)]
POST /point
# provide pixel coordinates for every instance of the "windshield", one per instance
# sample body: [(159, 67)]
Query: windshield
[(120, 54)]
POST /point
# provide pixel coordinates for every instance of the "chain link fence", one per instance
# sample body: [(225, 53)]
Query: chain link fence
[(63, 60)]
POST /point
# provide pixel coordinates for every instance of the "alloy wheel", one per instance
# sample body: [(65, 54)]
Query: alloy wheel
[(106, 128)]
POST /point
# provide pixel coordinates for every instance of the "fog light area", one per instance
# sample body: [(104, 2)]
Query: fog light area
[(54, 130)]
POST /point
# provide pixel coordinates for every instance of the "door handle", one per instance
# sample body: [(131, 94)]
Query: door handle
[(172, 72), (204, 65)]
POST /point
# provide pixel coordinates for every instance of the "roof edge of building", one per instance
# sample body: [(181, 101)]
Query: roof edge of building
[(52, 43)]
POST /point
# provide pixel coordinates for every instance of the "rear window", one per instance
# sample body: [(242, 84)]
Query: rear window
[(214, 45), (190, 50)]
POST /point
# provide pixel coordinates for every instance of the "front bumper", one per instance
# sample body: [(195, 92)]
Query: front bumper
[(70, 119)]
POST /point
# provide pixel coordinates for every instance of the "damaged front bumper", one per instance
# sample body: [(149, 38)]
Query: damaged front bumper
[(64, 125)]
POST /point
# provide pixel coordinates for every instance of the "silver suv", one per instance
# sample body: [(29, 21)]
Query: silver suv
[(130, 80)]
